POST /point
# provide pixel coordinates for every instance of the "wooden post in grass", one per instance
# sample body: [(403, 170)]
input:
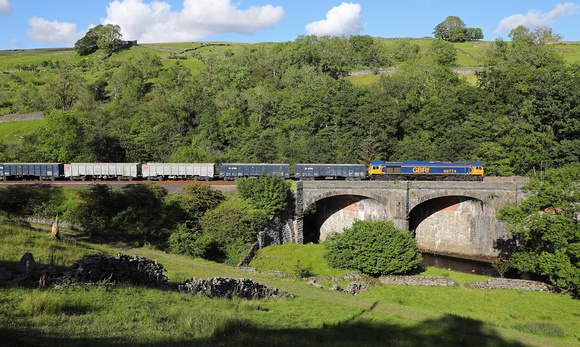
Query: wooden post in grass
[(55, 235)]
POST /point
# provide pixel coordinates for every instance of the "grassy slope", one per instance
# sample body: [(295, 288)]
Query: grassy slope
[(13, 131), (390, 315)]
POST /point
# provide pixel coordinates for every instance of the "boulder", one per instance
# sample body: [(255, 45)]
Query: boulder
[(27, 266)]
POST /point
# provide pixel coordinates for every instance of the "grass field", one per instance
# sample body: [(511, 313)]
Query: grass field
[(385, 315), (13, 131)]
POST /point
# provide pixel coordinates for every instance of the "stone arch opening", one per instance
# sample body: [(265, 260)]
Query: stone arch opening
[(449, 224), (334, 213)]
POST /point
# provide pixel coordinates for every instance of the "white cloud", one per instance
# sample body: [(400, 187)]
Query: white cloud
[(5, 8), (340, 20), (44, 31), (535, 18), (155, 22)]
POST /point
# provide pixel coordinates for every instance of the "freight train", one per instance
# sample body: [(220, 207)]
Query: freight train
[(378, 170)]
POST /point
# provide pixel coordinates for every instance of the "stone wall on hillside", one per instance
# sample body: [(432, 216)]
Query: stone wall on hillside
[(21, 117)]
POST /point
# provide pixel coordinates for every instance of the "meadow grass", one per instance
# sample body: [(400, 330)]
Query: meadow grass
[(285, 258), (13, 131), (18, 238), (385, 315)]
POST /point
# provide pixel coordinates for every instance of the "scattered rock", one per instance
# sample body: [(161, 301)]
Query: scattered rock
[(314, 284), (247, 269), (277, 273), (336, 288), (220, 287), (355, 288)]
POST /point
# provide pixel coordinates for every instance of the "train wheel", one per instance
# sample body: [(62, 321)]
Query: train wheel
[(83, 178), (160, 178)]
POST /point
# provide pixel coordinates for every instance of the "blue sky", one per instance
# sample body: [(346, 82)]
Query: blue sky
[(59, 23)]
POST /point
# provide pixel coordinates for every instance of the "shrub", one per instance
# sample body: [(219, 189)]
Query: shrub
[(374, 248), (224, 233), (267, 193), (97, 205), (233, 220)]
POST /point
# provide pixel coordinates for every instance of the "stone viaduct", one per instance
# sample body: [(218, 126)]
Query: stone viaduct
[(456, 218)]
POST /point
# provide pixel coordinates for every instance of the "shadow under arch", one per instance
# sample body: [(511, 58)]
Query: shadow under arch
[(453, 224), (429, 207), (336, 212)]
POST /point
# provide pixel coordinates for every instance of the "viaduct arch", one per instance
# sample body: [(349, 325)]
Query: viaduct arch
[(447, 217)]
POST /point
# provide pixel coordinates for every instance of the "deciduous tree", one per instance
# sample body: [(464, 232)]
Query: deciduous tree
[(546, 227)]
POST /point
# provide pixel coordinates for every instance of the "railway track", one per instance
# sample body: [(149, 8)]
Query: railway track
[(170, 186)]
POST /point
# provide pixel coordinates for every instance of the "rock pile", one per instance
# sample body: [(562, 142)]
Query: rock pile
[(27, 269), (426, 281), (120, 268), (507, 283), (353, 288), (96, 269), (219, 287)]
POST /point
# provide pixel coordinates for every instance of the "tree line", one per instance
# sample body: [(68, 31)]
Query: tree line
[(290, 104)]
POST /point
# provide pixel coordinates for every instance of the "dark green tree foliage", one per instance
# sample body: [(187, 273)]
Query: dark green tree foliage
[(402, 49), (228, 231), (144, 214), (524, 81), (290, 104), (97, 207), (453, 29), (267, 193), (197, 199), (106, 37), (540, 35), (109, 38), (374, 248), (88, 43), (546, 227), (62, 137), (444, 53)]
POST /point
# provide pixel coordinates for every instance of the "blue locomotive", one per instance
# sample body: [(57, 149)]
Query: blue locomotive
[(426, 170)]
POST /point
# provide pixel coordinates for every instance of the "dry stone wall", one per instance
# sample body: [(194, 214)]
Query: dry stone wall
[(21, 117)]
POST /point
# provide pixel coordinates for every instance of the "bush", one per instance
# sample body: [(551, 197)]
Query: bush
[(374, 248), (224, 234), (267, 193), (233, 220)]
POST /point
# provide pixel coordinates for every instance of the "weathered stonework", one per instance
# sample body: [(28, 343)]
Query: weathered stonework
[(447, 216)]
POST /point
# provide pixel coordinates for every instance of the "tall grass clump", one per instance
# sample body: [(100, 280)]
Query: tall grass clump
[(38, 302), (541, 329)]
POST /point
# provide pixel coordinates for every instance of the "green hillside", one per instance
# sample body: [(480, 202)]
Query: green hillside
[(401, 315), (295, 102), (15, 131)]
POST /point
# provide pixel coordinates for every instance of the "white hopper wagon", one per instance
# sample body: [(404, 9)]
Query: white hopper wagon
[(84, 171), (161, 171)]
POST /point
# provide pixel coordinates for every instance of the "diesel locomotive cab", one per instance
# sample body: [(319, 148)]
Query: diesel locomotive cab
[(426, 170)]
